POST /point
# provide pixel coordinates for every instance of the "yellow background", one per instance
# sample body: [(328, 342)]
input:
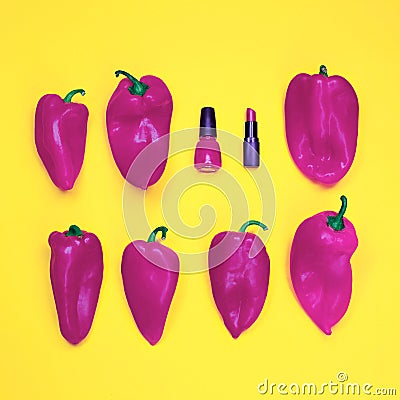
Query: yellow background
[(229, 55)]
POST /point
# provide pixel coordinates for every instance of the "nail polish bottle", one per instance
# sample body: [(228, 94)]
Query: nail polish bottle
[(207, 156)]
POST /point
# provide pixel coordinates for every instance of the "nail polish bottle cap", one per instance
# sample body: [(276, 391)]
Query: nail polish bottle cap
[(208, 124)]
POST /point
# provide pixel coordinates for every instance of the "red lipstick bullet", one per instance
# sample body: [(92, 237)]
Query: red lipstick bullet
[(250, 115)]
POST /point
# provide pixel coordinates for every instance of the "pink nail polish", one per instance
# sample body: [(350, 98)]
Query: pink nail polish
[(207, 157)]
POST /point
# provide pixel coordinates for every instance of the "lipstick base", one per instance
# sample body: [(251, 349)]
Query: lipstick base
[(251, 154)]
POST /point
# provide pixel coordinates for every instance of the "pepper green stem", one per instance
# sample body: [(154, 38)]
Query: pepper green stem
[(336, 222), (152, 237), (137, 87), (252, 222), (72, 93), (323, 70), (74, 231)]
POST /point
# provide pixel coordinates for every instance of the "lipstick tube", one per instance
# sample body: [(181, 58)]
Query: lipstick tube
[(251, 144)]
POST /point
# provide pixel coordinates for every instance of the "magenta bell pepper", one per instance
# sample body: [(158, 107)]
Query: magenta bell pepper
[(60, 137), (138, 118), (320, 266), (76, 273), (239, 273), (321, 116), (150, 273)]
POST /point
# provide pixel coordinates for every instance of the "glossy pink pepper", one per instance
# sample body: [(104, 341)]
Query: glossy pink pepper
[(150, 274), (239, 269), (320, 266), (76, 273), (138, 117), (321, 116), (60, 137)]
